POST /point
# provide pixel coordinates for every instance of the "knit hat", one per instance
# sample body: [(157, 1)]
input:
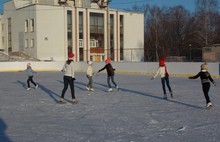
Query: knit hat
[(107, 61), (204, 66), (29, 64), (90, 62), (70, 56), (162, 61)]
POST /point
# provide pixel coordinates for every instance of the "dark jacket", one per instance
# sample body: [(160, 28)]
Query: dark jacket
[(204, 76), (109, 69)]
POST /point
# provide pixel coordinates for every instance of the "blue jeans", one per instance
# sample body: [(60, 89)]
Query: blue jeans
[(108, 81), (165, 80)]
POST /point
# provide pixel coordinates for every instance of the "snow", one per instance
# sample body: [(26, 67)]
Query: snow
[(136, 113)]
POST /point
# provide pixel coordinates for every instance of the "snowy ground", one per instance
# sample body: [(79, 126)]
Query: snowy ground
[(137, 113)]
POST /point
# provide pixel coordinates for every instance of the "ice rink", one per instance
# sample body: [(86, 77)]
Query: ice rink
[(135, 113)]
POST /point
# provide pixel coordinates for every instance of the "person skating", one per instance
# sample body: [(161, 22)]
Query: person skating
[(30, 73), (68, 78), (205, 80), (164, 74), (110, 74), (89, 74)]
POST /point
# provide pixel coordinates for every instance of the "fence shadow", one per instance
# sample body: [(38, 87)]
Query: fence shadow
[(3, 136), (156, 97)]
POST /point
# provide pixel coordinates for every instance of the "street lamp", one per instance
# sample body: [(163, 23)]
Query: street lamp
[(190, 55)]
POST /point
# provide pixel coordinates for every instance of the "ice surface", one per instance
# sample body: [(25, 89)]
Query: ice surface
[(137, 113)]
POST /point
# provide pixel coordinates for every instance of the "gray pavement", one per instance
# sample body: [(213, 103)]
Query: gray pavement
[(136, 113)]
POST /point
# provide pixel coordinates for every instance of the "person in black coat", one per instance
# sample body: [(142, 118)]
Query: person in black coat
[(110, 72), (205, 80)]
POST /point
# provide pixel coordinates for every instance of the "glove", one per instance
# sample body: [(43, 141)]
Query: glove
[(73, 78), (152, 78)]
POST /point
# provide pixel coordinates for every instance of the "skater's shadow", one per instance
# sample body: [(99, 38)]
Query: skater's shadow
[(76, 84), (49, 93), (46, 90), (103, 85), (155, 97), (3, 136), (22, 83)]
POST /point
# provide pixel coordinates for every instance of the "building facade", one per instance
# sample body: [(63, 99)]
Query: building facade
[(50, 29), (211, 53)]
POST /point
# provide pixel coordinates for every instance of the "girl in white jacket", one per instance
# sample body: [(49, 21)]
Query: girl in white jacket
[(163, 72), (68, 78)]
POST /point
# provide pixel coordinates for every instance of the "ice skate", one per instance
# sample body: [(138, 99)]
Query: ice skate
[(165, 97), (62, 100), (87, 88), (171, 94), (91, 89), (74, 101), (117, 88), (28, 88), (109, 90), (209, 105), (36, 86)]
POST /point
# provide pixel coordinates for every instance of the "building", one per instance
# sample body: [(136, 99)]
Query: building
[(50, 29), (211, 53)]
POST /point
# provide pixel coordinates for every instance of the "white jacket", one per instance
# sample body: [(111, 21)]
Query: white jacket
[(89, 71), (69, 69), (161, 71)]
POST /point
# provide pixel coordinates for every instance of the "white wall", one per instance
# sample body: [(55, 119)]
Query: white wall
[(51, 33), (133, 36), (148, 68)]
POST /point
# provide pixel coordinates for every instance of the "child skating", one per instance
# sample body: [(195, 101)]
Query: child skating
[(30, 73), (89, 74), (205, 80), (68, 79), (110, 72), (164, 74)]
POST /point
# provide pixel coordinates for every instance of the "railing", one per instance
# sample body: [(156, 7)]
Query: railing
[(128, 55)]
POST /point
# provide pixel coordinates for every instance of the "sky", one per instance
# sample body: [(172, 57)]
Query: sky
[(123, 4)]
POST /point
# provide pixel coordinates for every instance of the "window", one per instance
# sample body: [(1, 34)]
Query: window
[(81, 43), (69, 31), (97, 30), (9, 35), (3, 40), (96, 23), (26, 26), (26, 43), (121, 37), (93, 43), (32, 43), (32, 25)]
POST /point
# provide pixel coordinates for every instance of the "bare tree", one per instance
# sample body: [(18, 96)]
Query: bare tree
[(206, 12), (175, 31)]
